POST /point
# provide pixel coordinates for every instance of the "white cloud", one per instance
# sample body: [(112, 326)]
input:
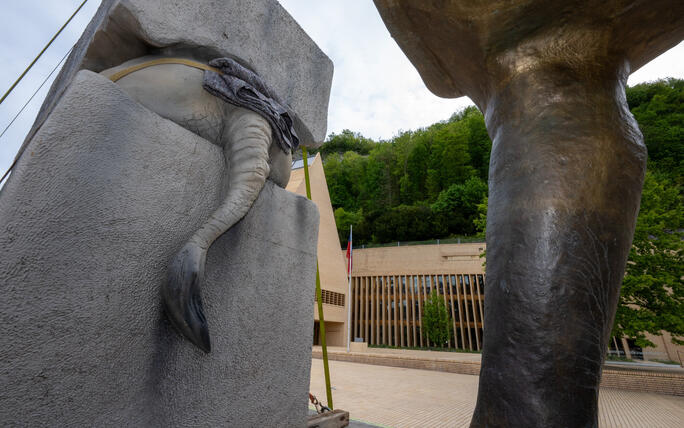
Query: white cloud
[(376, 90)]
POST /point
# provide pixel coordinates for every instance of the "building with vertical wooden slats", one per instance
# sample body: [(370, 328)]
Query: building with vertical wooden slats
[(390, 284)]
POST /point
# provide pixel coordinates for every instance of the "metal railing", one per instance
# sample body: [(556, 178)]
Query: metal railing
[(457, 240)]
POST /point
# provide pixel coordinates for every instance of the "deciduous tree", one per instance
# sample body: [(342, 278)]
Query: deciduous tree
[(652, 294)]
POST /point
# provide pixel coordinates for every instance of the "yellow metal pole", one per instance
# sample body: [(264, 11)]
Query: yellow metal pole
[(319, 299)]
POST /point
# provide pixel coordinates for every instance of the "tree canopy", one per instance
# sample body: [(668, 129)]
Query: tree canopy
[(409, 188), (652, 294)]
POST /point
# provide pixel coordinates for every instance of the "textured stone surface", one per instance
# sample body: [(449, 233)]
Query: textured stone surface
[(105, 194), (258, 33)]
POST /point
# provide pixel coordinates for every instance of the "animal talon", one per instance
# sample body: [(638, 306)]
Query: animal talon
[(182, 297), (201, 328)]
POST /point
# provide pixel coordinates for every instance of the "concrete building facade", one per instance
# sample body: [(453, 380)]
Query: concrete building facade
[(331, 264)]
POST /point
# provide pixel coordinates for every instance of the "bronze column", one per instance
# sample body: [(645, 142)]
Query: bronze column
[(565, 180)]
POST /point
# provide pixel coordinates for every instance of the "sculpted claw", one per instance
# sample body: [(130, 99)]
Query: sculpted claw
[(182, 296)]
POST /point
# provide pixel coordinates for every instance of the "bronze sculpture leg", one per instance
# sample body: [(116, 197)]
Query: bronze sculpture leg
[(565, 179), (565, 182)]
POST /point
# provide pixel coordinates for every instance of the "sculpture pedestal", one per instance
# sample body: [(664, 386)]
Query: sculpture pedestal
[(103, 197)]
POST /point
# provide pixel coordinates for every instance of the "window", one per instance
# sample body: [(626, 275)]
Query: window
[(331, 298)]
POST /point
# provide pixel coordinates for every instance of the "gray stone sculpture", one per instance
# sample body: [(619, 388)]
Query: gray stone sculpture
[(113, 183), (565, 180), (276, 48), (175, 92)]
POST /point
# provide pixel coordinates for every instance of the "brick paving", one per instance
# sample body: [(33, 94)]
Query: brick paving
[(643, 377), (403, 397)]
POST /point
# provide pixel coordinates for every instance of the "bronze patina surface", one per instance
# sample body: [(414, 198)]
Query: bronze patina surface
[(565, 179)]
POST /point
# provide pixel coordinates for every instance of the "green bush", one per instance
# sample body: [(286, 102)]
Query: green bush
[(436, 320)]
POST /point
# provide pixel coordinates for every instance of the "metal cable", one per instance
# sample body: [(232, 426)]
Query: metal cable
[(41, 53), (16, 158)]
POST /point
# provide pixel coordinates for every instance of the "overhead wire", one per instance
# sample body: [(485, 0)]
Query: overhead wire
[(16, 158), (36, 91), (16, 82)]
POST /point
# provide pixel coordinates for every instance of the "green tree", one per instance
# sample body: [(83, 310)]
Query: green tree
[(346, 141), (413, 181), (658, 107), (457, 206), (404, 223), (479, 144), (480, 221), (652, 294), (342, 174), (381, 187), (344, 220), (436, 322)]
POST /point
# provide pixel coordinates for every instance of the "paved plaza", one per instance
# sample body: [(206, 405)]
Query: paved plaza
[(400, 397)]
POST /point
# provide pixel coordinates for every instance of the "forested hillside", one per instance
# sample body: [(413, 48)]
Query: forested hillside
[(431, 183)]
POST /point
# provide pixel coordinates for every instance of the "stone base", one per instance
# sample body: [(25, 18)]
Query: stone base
[(103, 197), (358, 347)]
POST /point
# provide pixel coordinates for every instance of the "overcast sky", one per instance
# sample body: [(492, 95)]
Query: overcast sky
[(376, 90)]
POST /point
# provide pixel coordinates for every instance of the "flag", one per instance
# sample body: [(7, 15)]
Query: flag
[(349, 253)]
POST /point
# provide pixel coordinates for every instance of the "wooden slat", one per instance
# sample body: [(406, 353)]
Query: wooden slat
[(444, 296), (453, 314), (400, 288), (420, 308), (473, 303)]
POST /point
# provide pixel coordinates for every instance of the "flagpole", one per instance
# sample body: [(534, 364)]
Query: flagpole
[(349, 268)]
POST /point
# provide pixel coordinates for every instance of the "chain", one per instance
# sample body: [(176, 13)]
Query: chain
[(320, 408)]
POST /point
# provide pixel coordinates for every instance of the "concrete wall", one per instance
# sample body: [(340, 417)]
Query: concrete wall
[(332, 265), (664, 349), (426, 259), (105, 195)]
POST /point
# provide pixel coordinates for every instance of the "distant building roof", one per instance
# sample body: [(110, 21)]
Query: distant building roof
[(297, 164)]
